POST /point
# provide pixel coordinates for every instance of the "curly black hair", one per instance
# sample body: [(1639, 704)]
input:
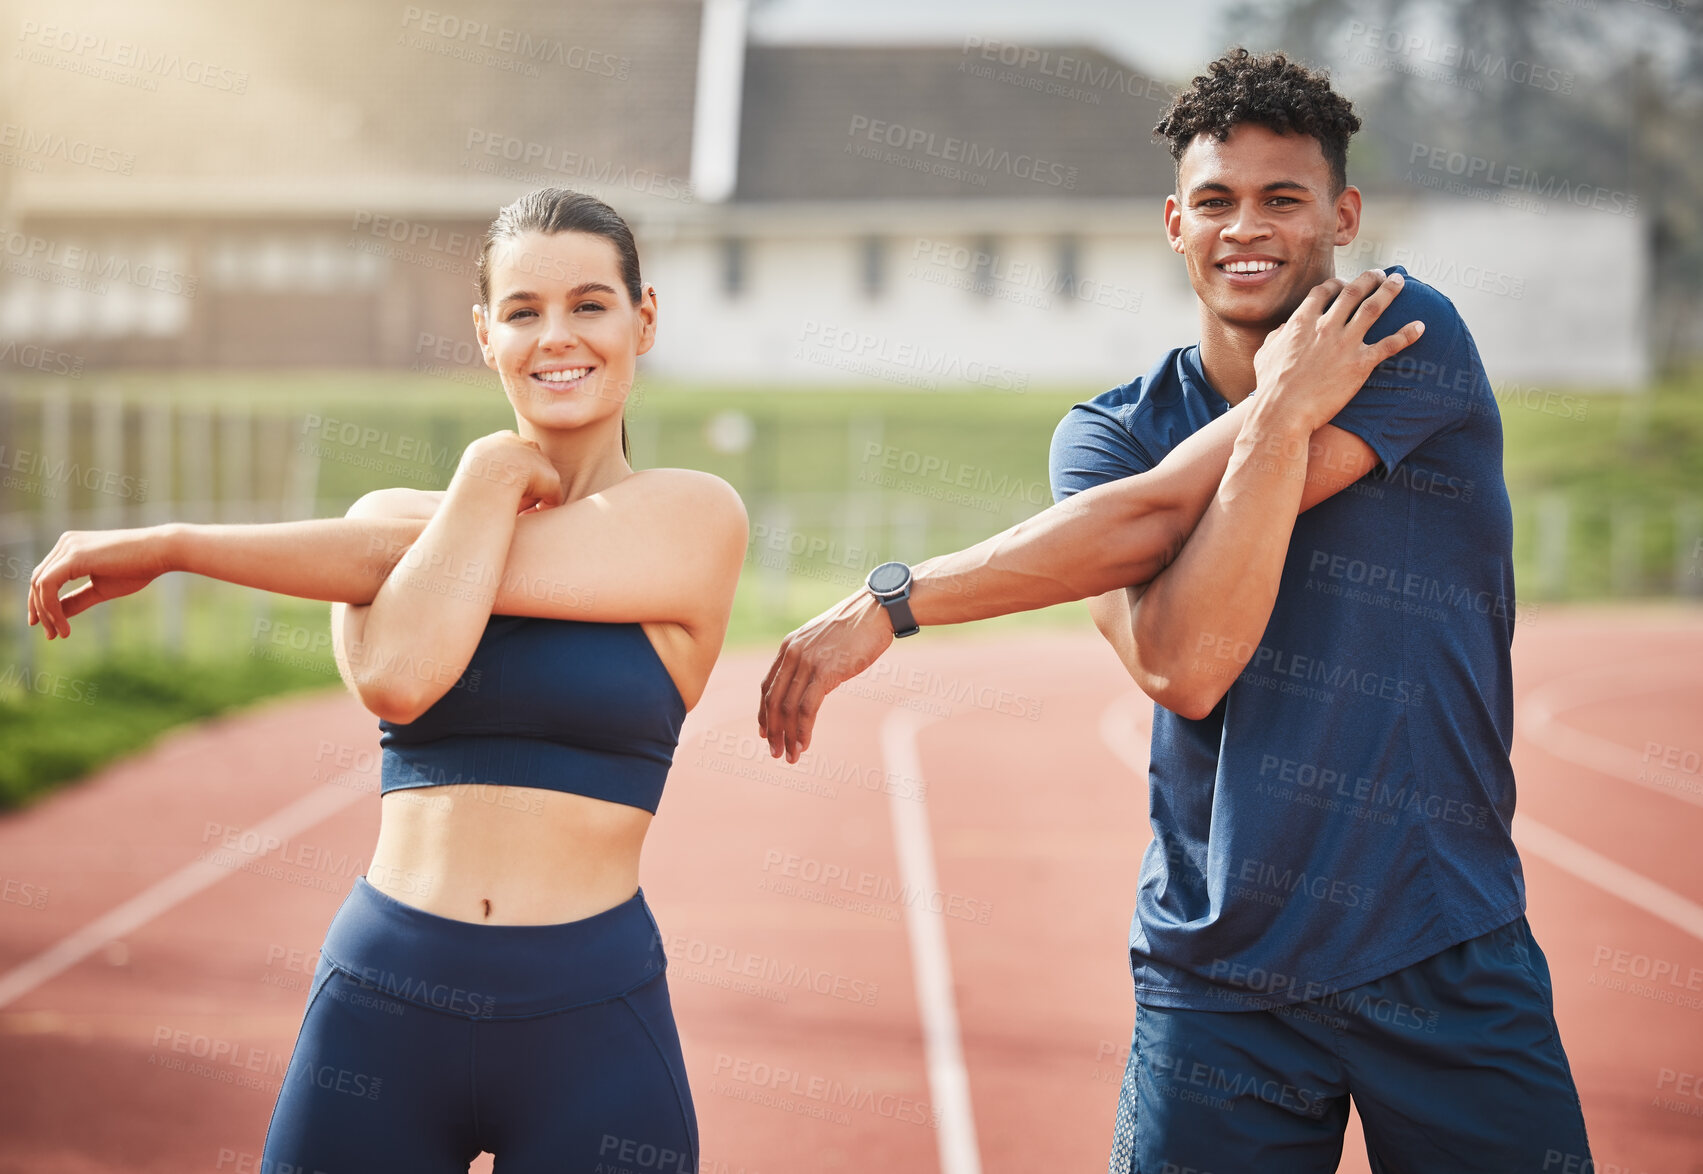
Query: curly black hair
[(1271, 91)]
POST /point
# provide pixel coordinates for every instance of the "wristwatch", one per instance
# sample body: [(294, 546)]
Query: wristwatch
[(891, 584)]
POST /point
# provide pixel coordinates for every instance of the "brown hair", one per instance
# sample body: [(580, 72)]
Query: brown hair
[(553, 210)]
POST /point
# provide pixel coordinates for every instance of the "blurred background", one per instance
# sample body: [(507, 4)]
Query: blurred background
[(892, 246), (892, 243)]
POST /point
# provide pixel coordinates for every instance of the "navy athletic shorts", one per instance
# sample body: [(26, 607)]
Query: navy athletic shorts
[(1454, 1063), (427, 1040)]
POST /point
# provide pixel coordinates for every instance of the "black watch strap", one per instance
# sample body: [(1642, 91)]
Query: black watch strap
[(899, 611)]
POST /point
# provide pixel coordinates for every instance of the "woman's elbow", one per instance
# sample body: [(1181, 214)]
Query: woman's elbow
[(388, 703)]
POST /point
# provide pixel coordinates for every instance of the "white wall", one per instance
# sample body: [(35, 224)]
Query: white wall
[(1554, 298)]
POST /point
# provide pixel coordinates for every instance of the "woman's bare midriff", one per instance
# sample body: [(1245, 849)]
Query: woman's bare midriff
[(498, 855)]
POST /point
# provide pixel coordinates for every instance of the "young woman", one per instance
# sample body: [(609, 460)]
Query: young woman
[(531, 639)]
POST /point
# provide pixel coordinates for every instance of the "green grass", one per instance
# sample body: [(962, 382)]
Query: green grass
[(863, 475)]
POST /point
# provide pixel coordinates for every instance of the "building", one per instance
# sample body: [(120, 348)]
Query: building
[(309, 189)]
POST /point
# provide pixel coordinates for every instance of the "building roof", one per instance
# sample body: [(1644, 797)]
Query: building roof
[(947, 122)]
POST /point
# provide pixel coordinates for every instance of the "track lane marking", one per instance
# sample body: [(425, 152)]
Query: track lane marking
[(1540, 721), (316, 806), (1530, 835), (931, 964)]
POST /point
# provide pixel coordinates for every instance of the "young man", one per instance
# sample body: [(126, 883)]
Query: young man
[(1332, 905)]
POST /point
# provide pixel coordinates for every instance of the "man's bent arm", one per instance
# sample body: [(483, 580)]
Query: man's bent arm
[(1179, 635), (1121, 532), (1103, 538)]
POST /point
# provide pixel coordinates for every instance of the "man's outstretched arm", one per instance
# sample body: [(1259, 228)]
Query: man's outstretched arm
[(1107, 537)]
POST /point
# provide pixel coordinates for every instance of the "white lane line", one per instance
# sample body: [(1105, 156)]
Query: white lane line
[(1540, 722), (1126, 736), (173, 890), (948, 1080), (1594, 868), (1531, 836)]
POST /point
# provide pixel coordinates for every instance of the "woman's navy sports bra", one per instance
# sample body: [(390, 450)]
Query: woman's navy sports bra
[(565, 705)]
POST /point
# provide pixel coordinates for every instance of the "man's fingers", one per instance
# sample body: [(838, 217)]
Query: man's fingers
[(1353, 295), (787, 709), (808, 707), (1397, 342), (1374, 306), (780, 679), (763, 691), (1317, 299)]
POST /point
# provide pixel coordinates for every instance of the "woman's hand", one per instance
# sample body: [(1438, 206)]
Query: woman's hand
[(510, 460), (118, 562)]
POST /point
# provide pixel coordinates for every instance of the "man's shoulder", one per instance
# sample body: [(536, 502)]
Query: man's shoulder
[(1122, 431), (1419, 301), (1157, 388)]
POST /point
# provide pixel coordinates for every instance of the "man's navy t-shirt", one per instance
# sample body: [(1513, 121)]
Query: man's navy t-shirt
[(1344, 811)]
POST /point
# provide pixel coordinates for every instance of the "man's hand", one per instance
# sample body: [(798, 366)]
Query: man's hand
[(816, 658), (1313, 364)]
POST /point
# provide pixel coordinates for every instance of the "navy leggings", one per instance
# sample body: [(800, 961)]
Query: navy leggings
[(427, 1040)]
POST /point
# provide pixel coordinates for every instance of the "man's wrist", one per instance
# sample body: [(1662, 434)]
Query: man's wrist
[(1274, 436)]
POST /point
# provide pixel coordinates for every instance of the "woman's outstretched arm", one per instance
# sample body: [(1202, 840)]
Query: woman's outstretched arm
[(335, 559)]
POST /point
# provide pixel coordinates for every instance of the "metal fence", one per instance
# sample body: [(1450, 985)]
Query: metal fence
[(827, 498)]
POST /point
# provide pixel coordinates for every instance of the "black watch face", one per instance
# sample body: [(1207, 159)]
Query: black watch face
[(888, 578)]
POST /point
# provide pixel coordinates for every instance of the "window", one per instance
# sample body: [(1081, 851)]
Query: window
[(873, 268), (1069, 261), (982, 270), (733, 262)]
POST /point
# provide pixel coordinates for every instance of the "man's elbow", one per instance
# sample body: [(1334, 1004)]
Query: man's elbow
[(1185, 694), (1145, 546), (1194, 704)]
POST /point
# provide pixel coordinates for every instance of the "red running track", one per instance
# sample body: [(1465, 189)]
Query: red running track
[(152, 972)]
